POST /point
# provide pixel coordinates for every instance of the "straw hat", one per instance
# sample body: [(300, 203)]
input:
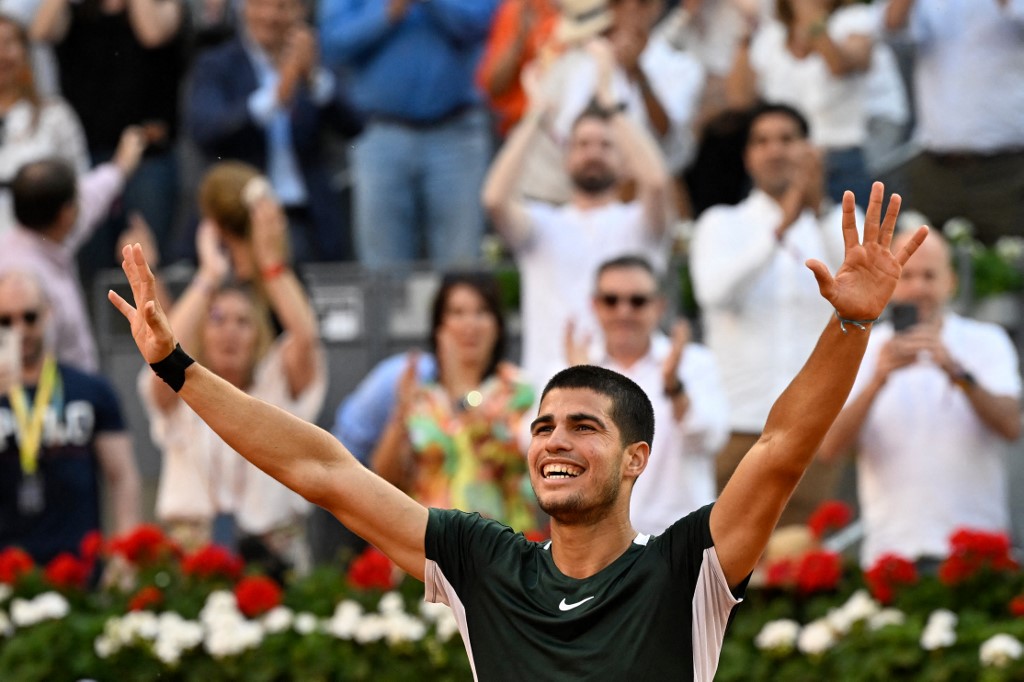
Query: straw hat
[(581, 20)]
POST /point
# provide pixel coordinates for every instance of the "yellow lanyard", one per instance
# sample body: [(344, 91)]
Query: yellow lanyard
[(30, 426)]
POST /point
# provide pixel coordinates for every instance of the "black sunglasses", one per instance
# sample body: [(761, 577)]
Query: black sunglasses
[(635, 301), (29, 317)]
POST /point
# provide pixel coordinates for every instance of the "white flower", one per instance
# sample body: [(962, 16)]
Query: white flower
[(886, 617), (220, 600), (105, 647), (402, 627), (1010, 248), (278, 619), (369, 629), (940, 630), (816, 637), (346, 619), (999, 650), (778, 635), (391, 603), (229, 641), (447, 626), (432, 611), (47, 606), (141, 625), (305, 623), (5, 591), (860, 606), (6, 628)]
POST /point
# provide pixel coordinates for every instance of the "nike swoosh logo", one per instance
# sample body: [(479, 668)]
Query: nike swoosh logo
[(569, 607)]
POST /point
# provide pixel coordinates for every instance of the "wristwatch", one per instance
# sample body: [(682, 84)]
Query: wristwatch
[(964, 379), (675, 389)]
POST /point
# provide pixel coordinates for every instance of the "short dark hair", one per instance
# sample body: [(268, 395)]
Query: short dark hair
[(771, 108), (594, 111), (486, 285), (40, 191), (629, 262), (631, 410)]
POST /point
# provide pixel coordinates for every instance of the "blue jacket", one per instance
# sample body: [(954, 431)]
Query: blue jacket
[(218, 120)]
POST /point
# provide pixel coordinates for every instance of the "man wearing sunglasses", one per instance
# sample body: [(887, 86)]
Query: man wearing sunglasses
[(61, 436), (680, 378)]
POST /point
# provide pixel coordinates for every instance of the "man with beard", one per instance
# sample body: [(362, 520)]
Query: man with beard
[(558, 248), (760, 311), (599, 601)]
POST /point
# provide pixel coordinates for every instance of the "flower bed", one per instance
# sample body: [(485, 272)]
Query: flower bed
[(206, 617), (201, 617)]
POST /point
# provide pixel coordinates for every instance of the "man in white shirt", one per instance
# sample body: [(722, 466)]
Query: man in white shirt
[(759, 306), (930, 413), (558, 248), (680, 378), (969, 95)]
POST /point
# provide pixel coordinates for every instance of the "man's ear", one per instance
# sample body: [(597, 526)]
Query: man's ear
[(634, 460)]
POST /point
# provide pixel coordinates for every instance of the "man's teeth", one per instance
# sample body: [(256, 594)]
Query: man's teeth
[(561, 471)]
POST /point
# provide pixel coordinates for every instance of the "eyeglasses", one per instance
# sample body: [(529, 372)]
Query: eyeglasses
[(29, 317), (635, 301)]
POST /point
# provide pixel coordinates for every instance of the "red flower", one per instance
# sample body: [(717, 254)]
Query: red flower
[(1017, 605), (143, 546), (372, 569), (91, 546), (830, 515), (780, 573), (212, 561), (972, 551), (256, 595), (145, 598), (818, 571), (14, 563), (889, 572), (68, 571), (536, 536)]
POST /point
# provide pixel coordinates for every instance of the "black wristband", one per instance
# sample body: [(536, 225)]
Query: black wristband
[(172, 368)]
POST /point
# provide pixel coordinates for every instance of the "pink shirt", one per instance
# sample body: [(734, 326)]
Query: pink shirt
[(54, 263)]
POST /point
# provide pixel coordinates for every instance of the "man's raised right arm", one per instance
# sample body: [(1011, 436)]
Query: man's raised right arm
[(300, 455)]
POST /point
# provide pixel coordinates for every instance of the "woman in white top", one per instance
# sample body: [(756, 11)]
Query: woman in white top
[(32, 127), (228, 329)]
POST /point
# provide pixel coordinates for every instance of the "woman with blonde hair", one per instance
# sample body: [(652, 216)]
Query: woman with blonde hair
[(228, 327), (33, 127)]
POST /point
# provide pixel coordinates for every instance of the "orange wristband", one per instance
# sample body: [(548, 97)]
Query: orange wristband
[(272, 271)]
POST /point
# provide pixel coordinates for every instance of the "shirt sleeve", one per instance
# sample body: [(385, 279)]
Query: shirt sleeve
[(457, 546), (107, 407), (994, 363), (724, 265)]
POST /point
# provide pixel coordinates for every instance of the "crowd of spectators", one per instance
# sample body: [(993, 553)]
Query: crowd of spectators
[(600, 141)]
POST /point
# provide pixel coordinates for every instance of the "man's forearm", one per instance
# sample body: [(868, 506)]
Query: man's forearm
[(295, 452), (500, 190), (897, 13), (997, 412)]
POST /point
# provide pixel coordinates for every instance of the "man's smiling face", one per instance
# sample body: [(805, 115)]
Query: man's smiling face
[(576, 456)]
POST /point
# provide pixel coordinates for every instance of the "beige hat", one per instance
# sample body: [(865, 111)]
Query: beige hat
[(582, 19)]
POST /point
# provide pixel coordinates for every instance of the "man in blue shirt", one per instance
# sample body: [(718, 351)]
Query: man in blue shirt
[(420, 162)]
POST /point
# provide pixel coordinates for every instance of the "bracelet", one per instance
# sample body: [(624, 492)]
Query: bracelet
[(271, 271), (172, 368), (860, 324)]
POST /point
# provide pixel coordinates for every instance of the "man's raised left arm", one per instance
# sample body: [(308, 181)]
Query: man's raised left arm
[(750, 505)]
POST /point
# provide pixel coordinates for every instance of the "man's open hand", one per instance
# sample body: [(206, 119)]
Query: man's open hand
[(150, 329), (865, 281)]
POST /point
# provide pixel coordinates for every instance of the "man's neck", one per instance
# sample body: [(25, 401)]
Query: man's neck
[(588, 202), (628, 355), (580, 551), (30, 374)]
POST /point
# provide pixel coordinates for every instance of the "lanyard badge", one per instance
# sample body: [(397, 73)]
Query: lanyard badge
[(31, 498)]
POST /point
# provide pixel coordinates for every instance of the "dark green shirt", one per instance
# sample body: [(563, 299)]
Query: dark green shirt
[(658, 612)]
